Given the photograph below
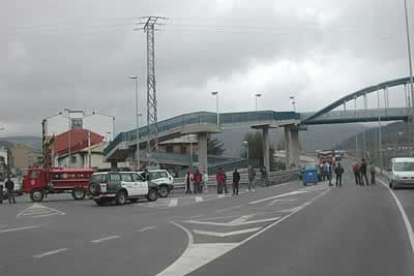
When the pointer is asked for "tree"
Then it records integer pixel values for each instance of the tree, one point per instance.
(215, 146)
(255, 140)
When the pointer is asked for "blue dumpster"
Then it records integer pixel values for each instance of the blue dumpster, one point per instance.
(310, 174)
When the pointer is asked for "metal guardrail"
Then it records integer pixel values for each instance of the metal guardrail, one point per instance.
(274, 178)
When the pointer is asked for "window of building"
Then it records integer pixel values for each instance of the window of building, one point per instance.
(183, 149)
(169, 148)
(73, 159)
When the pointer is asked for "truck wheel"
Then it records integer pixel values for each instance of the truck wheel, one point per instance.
(78, 193)
(152, 195)
(121, 198)
(163, 191)
(36, 195)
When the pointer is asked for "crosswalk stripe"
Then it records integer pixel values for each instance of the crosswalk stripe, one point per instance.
(173, 202)
(199, 199)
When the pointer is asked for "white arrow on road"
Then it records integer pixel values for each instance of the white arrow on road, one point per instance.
(226, 234)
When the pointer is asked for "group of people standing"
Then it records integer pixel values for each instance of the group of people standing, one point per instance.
(326, 173)
(360, 172)
(197, 182)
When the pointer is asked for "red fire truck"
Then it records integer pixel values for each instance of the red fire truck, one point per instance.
(41, 181)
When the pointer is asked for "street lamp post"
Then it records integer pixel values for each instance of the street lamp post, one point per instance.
(246, 144)
(216, 94)
(293, 103)
(257, 95)
(137, 157)
(69, 137)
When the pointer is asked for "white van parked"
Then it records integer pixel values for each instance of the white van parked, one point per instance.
(401, 173)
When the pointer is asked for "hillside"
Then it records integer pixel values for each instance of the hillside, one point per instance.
(316, 137)
(9, 142)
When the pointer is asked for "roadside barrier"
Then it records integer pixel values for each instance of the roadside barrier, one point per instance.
(273, 179)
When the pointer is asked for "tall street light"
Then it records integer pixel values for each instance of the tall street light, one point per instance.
(257, 95)
(293, 103)
(410, 64)
(246, 144)
(216, 94)
(137, 159)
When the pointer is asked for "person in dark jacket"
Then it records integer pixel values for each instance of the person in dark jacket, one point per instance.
(363, 171)
(339, 171)
(1, 194)
(10, 190)
(236, 180)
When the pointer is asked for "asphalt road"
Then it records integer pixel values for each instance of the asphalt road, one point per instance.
(287, 229)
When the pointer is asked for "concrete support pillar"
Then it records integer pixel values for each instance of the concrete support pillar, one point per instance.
(287, 147)
(295, 151)
(266, 149)
(202, 152)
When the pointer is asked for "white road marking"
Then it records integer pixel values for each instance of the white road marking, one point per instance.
(241, 219)
(57, 251)
(146, 229)
(45, 215)
(404, 216)
(196, 216)
(280, 200)
(19, 229)
(230, 224)
(226, 234)
(227, 209)
(106, 239)
(173, 202)
(3, 226)
(198, 255)
(37, 209)
(199, 199)
(278, 196)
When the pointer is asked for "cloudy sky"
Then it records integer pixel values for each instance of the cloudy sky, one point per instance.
(78, 54)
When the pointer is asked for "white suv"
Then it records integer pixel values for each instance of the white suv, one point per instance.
(163, 179)
(401, 172)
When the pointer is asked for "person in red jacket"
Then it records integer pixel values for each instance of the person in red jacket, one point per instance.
(198, 178)
(221, 181)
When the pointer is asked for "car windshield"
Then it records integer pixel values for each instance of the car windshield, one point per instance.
(404, 166)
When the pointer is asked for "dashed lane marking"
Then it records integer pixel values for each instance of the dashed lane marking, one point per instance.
(173, 202)
(106, 239)
(199, 199)
(227, 209)
(235, 222)
(278, 196)
(45, 254)
(146, 229)
(3, 231)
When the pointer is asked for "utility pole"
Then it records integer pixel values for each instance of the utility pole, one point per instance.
(148, 25)
(410, 65)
